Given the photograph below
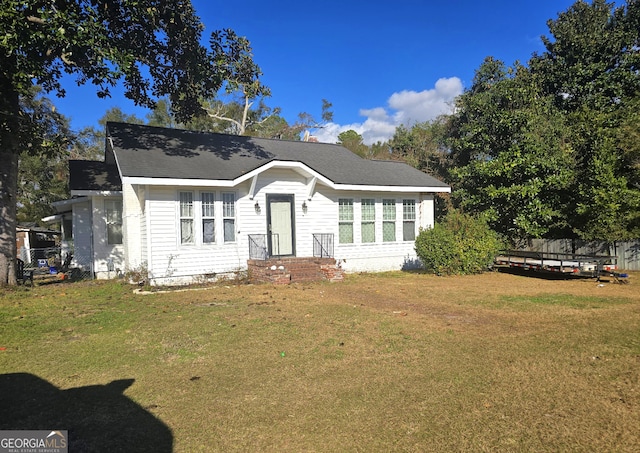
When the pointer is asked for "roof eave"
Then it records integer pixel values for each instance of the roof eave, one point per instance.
(96, 193)
(298, 166)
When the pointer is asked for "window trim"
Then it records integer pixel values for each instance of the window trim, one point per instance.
(388, 220)
(225, 217)
(203, 216)
(372, 221)
(405, 203)
(343, 221)
(118, 221)
(182, 217)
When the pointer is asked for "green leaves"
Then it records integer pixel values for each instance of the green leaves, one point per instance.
(551, 149)
(460, 244)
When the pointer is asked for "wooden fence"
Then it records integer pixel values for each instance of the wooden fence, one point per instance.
(627, 252)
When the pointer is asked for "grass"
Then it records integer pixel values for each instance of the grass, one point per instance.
(387, 362)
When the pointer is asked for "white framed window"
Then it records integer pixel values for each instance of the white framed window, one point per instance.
(345, 221)
(207, 202)
(368, 219)
(408, 220)
(389, 220)
(186, 218)
(229, 216)
(113, 214)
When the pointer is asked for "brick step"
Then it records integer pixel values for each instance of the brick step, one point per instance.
(291, 270)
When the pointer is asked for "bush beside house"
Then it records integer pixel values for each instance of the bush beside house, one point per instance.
(460, 244)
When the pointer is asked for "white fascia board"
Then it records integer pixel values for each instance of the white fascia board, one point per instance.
(252, 190)
(177, 182)
(52, 218)
(278, 164)
(97, 193)
(62, 205)
(223, 182)
(391, 188)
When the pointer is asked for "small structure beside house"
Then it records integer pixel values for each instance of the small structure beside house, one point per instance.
(35, 243)
(181, 206)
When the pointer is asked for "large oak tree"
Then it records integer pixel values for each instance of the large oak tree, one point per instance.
(151, 46)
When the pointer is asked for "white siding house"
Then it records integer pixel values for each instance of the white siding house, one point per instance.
(183, 206)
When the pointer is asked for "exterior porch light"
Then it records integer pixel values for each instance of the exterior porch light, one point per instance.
(304, 207)
(257, 207)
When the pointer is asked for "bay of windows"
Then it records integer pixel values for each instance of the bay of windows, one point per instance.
(371, 224)
(204, 209)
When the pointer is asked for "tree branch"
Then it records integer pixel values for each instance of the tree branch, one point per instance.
(36, 20)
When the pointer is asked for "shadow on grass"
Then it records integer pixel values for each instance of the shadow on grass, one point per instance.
(98, 417)
(544, 275)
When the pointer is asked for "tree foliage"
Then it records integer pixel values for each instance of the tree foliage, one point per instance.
(547, 150)
(43, 174)
(511, 157)
(243, 79)
(591, 68)
(152, 46)
(88, 143)
(422, 146)
(351, 140)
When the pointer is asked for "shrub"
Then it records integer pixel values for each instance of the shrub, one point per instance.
(460, 244)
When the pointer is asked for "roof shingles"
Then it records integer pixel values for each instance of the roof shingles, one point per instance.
(153, 152)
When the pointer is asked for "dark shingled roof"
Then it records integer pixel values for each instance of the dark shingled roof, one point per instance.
(93, 175)
(154, 152)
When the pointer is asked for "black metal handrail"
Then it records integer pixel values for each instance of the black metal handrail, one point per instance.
(258, 247)
(323, 245)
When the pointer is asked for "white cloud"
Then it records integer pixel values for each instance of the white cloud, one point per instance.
(406, 107)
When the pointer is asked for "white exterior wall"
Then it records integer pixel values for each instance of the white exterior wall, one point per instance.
(144, 228)
(378, 256)
(170, 262)
(82, 236)
(104, 252)
(132, 226)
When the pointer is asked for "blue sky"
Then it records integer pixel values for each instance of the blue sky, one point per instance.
(380, 63)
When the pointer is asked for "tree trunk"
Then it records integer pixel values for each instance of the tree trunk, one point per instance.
(9, 151)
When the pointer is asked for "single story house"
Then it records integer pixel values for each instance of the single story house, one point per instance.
(181, 206)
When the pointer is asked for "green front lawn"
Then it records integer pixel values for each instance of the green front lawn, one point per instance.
(388, 362)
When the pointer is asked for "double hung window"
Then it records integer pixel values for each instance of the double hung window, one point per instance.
(408, 220)
(113, 213)
(345, 221)
(388, 220)
(186, 218)
(368, 224)
(207, 200)
(229, 216)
